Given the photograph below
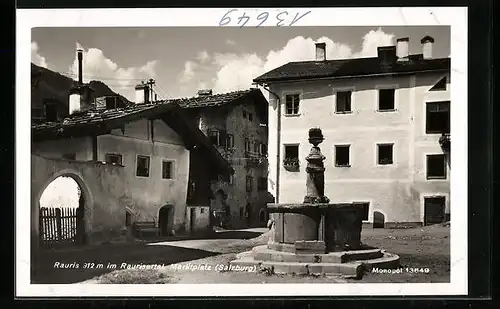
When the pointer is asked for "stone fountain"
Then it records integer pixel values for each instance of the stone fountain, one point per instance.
(316, 237)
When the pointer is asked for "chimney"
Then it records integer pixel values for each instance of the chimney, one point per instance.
(205, 92)
(80, 66)
(75, 100)
(386, 55)
(141, 93)
(320, 51)
(402, 48)
(427, 43)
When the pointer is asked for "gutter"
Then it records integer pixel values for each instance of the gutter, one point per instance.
(278, 141)
(303, 79)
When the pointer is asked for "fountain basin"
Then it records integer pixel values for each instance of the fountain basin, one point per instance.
(317, 227)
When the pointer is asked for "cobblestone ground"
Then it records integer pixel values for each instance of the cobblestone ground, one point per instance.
(425, 248)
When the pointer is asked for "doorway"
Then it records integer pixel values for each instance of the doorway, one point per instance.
(164, 217)
(378, 220)
(434, 210)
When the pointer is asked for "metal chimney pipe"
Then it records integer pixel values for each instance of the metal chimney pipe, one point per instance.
(80, 66)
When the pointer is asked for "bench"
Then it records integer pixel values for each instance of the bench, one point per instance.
(146, 226)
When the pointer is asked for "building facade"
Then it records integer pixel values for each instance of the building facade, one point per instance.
(150, 146)
(386, 122)
(236, 123)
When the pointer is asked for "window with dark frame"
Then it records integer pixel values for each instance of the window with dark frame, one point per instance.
(263, 149)
(230, 141)
(142, 169)
(343, 102)
(213, 135)
(437, 117)
(249, 183)
(440, 85)
(385, 154)
(436, 166)
(248, 145)
(167, 169)
(113, 158)
(386, 99)
(292, 152)
(256, 147)
(342, 155)
(111, 103)
(292, 102)
(69, 156)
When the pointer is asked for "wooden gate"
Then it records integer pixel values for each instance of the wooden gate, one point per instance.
(60, 226)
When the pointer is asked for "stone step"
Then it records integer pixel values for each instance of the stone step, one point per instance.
(264, 254)
(387, 261)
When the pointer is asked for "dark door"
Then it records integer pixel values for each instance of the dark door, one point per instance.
(163, 218)
(378, 220)
(192, 222)
(434, 210)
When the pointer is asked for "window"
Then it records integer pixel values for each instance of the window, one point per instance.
(250, 117)
(230, 141)
(291, 151)
(386, 99)
(69, 156)
(262, 184)
(113, 158)
(385, 154)
(343, 104)
(142, 166)
(247, 144)
(217, 137)
(249, 184)
(241, 212)
(436, 166)
(167, 170)
(342, 155)
(440, 85)
(51, 113)
(292, 104)
(256, 147)
(111, 103)
(437, 117)
(244, 114)
(263, 149)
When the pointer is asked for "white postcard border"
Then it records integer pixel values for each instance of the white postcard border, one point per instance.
(456, 17)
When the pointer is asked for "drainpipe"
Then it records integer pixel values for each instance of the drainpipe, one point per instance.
(278, 141)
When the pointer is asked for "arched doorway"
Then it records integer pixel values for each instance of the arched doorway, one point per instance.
(378, 220)
(221, 210)
(263, 216)
(61, 213)
(164, 220)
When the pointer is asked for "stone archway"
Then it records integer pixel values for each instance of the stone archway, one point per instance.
(80, 220)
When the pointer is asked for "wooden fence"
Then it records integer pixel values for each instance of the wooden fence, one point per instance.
(58, 226)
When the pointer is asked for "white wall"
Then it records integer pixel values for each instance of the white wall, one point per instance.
(396, 190)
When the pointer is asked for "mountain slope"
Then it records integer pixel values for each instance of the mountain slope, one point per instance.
(53, 85)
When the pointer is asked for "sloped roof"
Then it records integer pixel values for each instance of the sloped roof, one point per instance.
(215, 100)
(95, 122)
(356, 67)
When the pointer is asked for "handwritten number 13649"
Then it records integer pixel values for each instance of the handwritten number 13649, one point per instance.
(282, 18)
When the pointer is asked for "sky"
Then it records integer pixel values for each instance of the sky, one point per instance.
(185, 60)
